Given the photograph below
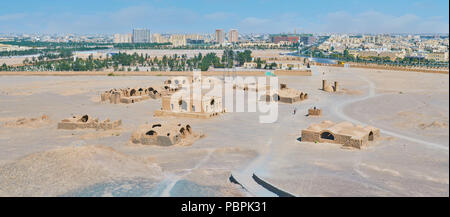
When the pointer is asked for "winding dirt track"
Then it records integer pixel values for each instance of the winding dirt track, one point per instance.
(257, 166)
(337, 110)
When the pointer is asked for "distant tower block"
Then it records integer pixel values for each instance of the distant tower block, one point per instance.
(336, 86)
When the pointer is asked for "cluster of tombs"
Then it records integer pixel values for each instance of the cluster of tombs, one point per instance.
(176, 101)
(286, 95)
(133, 95)
(283, 94)
(165, 134)
(187, 102)
(161, 134)
(343, 133)
(186, 105)
(86, 122)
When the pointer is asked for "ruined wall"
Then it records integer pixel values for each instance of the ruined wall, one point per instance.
(170, 135)
(72, 124)
(133, 95)
(329, 88)
(310, 136)
(315, 112)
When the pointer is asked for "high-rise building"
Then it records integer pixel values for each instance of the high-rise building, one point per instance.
(178, 40)
(233, 36)
(285, 38)
(220, 36)
(158, 38)
(122, 38)
(307, 40)
(141, 36)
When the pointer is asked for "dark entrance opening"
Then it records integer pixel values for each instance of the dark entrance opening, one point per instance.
(276, 97)
(371, 136)
(183, 105)
(188, 128)
(151, 133)
(327, 135)
(132, 92)
(85, 118)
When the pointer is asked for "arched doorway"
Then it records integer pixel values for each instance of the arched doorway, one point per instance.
(371, 136)
(327, 135)
(151, 133)
(276, 97)
(183, 105)
(132, 92)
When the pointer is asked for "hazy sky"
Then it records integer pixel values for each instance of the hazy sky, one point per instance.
(259, 16)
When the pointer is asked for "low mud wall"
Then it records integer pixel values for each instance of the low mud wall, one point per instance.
(393, 68)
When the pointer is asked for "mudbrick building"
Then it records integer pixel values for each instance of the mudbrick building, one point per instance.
(287, 95)
(164, 134)
(344, 133)
(188, 106)
(314, 112)
(191, 101)
(329, 88)
(133, 95)
(85, 122)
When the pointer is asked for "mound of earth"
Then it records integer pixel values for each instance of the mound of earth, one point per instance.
(55, 172)
(434, 124)
(28, 122)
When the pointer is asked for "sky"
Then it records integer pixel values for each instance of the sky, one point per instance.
(204, 16)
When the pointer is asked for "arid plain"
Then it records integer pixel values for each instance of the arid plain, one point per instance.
(411, 158)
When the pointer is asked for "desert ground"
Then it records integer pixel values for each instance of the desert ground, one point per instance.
(411, 158)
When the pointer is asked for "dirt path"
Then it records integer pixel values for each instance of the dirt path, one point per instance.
(245, 176)
(338, 110)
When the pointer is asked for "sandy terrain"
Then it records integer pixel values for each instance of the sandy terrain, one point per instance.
(411, 159)
(13, 61)
(216, 72)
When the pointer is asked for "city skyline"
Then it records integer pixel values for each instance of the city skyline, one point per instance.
(265, 16)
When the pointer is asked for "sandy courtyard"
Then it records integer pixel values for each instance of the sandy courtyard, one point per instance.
(411, 158)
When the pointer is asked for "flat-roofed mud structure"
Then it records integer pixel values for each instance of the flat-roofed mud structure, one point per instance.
(133, 95)
(87, 122)
(330, 88)
(186, 106)
(286, 95)
(314, 112)
(191, 100)
(165, 134)
(344, 133)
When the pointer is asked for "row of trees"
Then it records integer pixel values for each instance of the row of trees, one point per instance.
(45, 51)
(64, 61)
